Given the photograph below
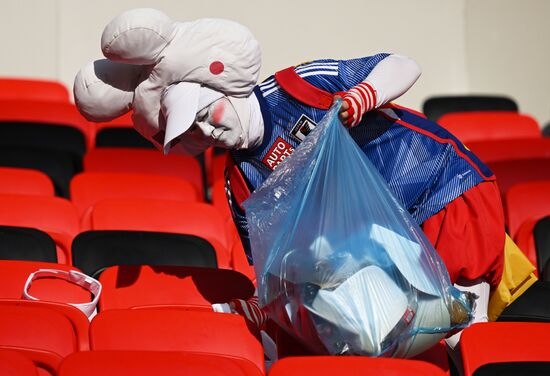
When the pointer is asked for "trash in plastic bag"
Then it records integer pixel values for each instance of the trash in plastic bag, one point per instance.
(340, 265)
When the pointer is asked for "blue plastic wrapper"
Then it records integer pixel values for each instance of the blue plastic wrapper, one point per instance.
(340, 265)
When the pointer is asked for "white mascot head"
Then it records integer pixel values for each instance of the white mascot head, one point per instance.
(147, 52)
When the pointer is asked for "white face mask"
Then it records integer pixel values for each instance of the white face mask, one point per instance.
(215, 125)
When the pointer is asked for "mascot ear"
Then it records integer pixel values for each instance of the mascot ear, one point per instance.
(137, 36)
(104, 90)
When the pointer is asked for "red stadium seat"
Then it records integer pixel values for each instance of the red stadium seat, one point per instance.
(15, 363)
(142, 286)
(351, 365)
(178, 217)
(154, 329)
(119, 132)
(25, 181)
(24, 243)
(436, 106)
(146, 363)
(436, 355)
(53, 327)
(512, 172)
(95, 250)
(501, 150)
(485, 125)
(43, 112)
(495, 342)
(135, 160)
(15, 273)
(48, 136)
(78, 320)
(57, 113)
(89, 188)
(56, 216)
(122, 122)
(33, 89)
(47, 362)
(289, 347)
(526, 203)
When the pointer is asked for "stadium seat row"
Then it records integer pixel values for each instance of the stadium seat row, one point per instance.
(59, 338)
(59, 219)
(134, 206)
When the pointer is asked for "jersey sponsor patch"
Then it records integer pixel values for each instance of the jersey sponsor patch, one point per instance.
(301, 129)
(277, 153)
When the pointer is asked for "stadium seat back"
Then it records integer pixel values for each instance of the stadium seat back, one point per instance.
(483, 126)
(23, 243)
(527, 201)
(33, 89)
(43, 112)
(493, 342)
(123, 137)
(59, 166)
(531, 306)
(502, 150)
(192, 218)
(514, 368)
(542, 244)
(134, 160)
(154, 329)
(512, 172)
(48, 115)
(90, 188)
(351, 365)
(15, 363)
(56, 216)
(36, 327)
(25, 181)
(435, 107)
(146, 363)
(146, 285)
(78, 320)
(51, 137)
(525, 240)
(119, 132)
(15, 273)
(94, 251)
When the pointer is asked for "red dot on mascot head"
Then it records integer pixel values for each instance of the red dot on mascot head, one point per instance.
(216, 67)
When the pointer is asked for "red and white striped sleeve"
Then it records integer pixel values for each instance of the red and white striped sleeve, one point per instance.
(361, 99)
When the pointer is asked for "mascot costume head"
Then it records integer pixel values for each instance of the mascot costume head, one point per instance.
(147, 52)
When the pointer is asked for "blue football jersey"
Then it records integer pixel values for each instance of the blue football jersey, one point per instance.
(424, 165)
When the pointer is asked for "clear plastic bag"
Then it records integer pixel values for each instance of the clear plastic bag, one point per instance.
(340, 264)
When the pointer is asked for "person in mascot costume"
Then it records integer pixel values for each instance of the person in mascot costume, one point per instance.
(193, 85)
